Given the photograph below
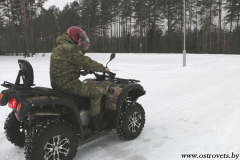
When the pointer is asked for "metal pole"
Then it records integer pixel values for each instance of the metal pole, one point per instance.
(184, 51)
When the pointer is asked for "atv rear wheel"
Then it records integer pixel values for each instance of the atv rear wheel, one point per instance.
(14, 130)
(131, 122)
(52, 140)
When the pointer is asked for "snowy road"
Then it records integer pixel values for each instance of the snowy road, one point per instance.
(189, 110)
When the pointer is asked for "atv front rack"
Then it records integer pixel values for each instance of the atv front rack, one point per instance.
(125, 81)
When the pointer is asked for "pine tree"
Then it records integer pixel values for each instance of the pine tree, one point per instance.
(126, 15)
(2, 23)
(139, 17)
(169, 14)
(208, 12)
(219, 3)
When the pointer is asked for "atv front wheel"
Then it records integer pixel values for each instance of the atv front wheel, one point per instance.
(131, 122)
(14, 130)
(52, 140)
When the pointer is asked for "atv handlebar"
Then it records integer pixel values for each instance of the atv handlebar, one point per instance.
(102, 77)
(99, 77)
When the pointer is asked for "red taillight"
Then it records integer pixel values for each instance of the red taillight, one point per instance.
(12, 103)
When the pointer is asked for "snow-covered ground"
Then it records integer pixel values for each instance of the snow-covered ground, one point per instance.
(193, 109)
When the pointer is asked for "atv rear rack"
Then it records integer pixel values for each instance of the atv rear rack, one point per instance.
(26, 90)
(11, 85)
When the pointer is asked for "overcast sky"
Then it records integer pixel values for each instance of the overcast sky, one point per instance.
(58, 3)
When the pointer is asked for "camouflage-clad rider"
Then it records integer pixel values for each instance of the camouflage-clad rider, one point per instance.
(66, 61)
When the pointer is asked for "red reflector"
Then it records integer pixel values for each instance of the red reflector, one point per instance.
(12, 103)
(16, 114)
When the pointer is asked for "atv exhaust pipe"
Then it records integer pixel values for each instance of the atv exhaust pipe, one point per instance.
(39, 113)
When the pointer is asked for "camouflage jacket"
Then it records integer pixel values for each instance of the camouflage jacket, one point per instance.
(66, 61)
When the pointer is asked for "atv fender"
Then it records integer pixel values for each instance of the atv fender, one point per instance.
(4, 99)
(139, 91)
(27, 105)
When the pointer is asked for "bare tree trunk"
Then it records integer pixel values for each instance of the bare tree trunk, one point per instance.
(111, 33)
(44, 38)
(116, 34)
(203, 41)
(169, 27)
(103, 38)
(88, 26)
(9, 20)
(126, 33)
(94, 32)
(181, 22)
(141, 34)
(178, 5)
(25, 29)
(219, 25)
(31, 27)
(130, 27)
(197, 26)
(21, 38)
(210, 20)
(118, 28)
(231, 19)
(237, 22)
(155, 26)
(197, 20)
(145, 23)
(149, 29)
(224, 42)
(191, 18)
(139, 38)
(14, 37)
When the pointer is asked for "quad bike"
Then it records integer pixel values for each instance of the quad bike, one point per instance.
(51, 124)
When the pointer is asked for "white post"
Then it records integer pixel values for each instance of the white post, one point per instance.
(184, 51)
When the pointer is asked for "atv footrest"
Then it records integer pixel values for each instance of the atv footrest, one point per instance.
(96, 136)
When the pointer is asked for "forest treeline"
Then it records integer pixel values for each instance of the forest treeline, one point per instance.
(123, 26)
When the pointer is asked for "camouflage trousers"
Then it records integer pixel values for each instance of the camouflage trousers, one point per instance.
(76, 87)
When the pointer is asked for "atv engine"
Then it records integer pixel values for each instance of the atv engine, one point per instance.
(85, 117)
